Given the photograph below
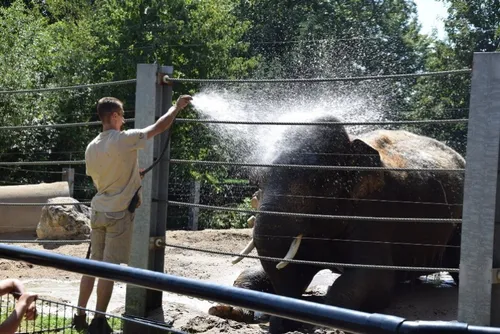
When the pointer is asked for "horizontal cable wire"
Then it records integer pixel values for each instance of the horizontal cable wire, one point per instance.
(51, 89)
(316, 167)
(42, 204)
(79, 241)
(342, 39)
(33, 170)
(365, 200)
(243, 164)
(49, 242)
(316, 263)
(193, 120)
(293, 41)
(61, 125)
(309, 215)
(357, 241)
(430, 121)
(42, 152)
(188, 193)
(311, 80)
(42, 163)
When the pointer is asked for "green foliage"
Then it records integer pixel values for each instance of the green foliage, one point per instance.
(339, 38)
(49, 322)
(227, 219)
(472, 26)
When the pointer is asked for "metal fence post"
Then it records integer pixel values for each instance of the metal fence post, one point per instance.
(479, 291)
(68, 175)
(153, 98)
(160, 186)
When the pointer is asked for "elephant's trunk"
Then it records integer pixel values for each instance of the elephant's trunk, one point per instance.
(294, 247)
(250, 246)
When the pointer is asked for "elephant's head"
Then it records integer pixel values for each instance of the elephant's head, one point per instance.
(313, 191)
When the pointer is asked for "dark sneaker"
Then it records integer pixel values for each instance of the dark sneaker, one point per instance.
(80, 322)
(99, 325)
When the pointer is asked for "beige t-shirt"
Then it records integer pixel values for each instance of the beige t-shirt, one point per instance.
(112, 162)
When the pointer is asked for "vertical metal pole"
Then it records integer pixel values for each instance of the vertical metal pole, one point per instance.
(139, 301)
(160, 186)
(479, 296)
(68, 175)
(194, 212)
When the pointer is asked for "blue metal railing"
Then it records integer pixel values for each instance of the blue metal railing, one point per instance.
(290, 308)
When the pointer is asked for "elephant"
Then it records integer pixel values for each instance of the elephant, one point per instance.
(352, 195)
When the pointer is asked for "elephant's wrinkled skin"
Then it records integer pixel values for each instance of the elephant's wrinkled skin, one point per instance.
(356, 193)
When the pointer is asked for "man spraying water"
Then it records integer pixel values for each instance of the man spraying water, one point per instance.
(111, 161)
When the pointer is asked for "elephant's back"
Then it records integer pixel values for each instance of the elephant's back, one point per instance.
(404, 149)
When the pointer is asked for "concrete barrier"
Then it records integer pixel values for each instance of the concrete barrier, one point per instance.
(25, 218)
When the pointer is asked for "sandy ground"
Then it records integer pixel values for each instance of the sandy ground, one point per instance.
(422, 302)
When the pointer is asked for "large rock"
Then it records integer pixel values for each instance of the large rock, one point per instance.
(63, 222)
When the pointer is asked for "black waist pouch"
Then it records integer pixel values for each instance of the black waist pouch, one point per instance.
(133, 203)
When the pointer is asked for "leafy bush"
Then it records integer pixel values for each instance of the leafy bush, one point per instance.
(227, 219)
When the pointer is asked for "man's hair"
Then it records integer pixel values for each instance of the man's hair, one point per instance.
(107, 106)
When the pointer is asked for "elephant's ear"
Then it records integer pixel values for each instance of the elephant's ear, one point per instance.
(359, 148)
(367, 182)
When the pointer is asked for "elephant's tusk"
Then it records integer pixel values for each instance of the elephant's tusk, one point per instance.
(254, 202)
(247, 250)
(251, 221)
(294, 247)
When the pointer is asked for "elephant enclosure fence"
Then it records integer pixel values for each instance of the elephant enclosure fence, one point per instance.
(166, 204)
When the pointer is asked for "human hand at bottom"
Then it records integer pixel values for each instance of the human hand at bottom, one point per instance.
(27, 302)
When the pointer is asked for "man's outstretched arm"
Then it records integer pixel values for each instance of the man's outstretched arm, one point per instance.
(165, 121)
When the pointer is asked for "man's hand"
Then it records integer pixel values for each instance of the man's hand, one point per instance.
(140, 173)
(183, 101)
(12, 286)
(18, 288)
(165, 121)
(27, 302)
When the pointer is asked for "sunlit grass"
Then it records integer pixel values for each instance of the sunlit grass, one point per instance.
(50, 323)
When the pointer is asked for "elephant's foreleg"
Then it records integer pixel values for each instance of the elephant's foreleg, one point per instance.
(367, 290)
(364, 289)
(290, 281)
(254, 278)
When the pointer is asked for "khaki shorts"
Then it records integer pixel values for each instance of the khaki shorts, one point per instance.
(111, 236)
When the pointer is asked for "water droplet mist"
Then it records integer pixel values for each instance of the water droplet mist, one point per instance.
(290, 102)
(259, 143)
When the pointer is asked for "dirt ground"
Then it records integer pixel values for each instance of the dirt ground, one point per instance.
(422, 302)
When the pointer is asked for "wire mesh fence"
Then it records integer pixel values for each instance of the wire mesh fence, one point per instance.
(57, 317)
